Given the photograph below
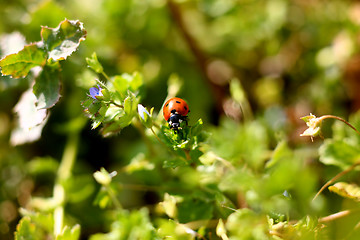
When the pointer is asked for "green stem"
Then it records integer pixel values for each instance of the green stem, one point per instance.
(113, 197)
(157, 137)
(118, 105)
(141, 130)
(340, 119)
(105, 75)
(339, 175)
(63, 174)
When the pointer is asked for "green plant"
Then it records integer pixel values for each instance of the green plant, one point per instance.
(238, 174)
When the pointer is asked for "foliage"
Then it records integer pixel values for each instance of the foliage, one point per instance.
(86, 154)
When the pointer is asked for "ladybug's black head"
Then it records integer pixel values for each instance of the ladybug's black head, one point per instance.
(175, 120)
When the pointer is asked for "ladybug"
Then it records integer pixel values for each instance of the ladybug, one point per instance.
(175, 111)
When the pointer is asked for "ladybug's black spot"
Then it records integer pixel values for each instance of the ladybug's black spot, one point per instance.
(185, 107)
(178, 102)
(166, 105)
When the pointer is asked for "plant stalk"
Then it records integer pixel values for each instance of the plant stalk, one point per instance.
(63, 174)
(340, 119)
(339, 175)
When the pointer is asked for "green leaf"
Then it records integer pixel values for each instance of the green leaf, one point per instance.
(339, 153)
(69, 233)
(282, 152)
(192, 209)
(175, 162)
(19, 64)
(197, 128)
(346, 190)
(40, 165)
(126, 82)
(94, 64)
(26, 230)
(102, 199)
(42, 221)
(63, 40)
(246, 224)
(121, 85)
(47, 87)
(134, 225)
(79, 187)
(136, 82)
(34, 225)
(130, 104)
(116, 125)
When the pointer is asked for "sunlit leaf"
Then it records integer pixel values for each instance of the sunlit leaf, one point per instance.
(63, 40)
(130, 225)
(136, 82)
(26, 230)
(246, 224)
(70, 233)
(94, 64)
(43, 221)
(47, 87)
(130, 105)
(30, 120)
(19, 64)
(346, 190)
(11, 43)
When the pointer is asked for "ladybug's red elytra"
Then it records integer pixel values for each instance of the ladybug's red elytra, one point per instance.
(175, 111)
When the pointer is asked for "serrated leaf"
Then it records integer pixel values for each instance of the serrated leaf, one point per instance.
(69, 233)
(47, 87)
(30, 121)
(338, 153)
(346, 190)
(26, 230)
(63, 40)
(41, 220)
(19, 64)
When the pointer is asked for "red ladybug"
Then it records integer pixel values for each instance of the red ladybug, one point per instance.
(175, 111)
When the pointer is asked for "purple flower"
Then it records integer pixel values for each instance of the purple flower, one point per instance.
(95, 92)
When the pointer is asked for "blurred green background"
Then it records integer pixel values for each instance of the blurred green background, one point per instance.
(291, 57)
